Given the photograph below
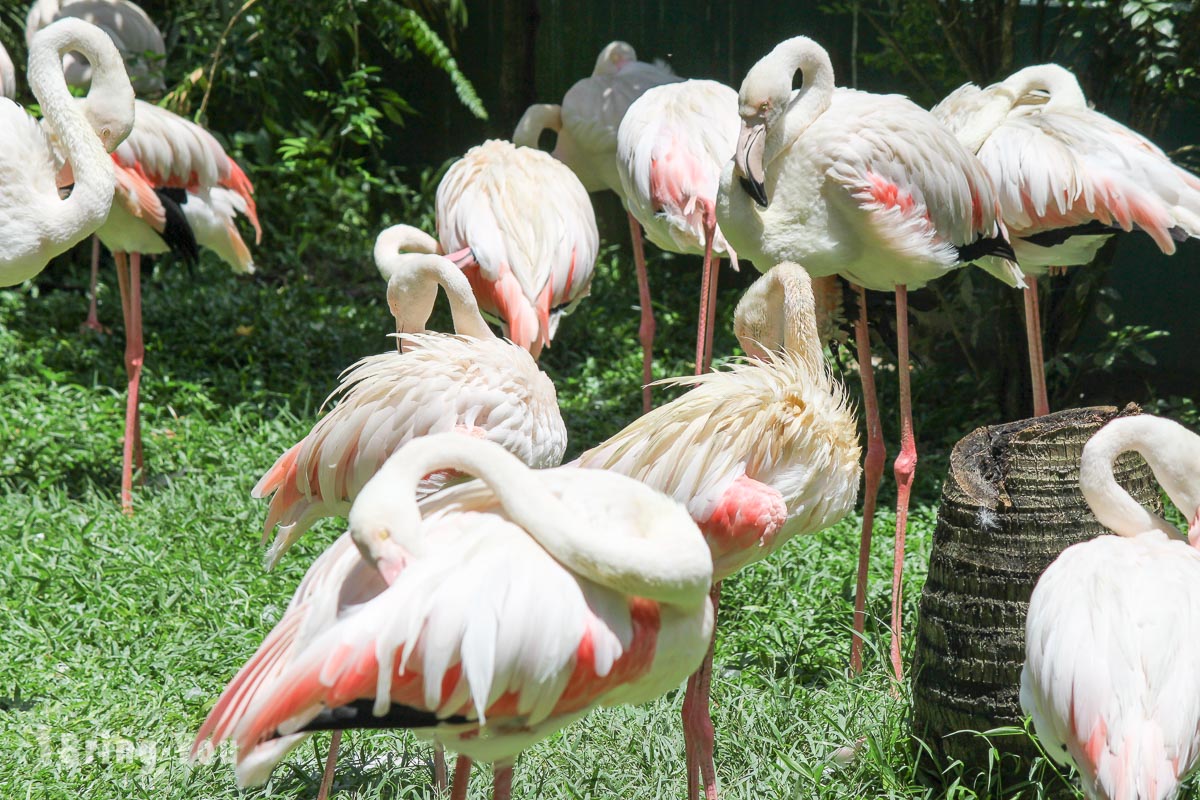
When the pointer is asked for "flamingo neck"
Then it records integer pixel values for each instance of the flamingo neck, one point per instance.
(88, 204)
(665, 559)
(1059, 83)
(778, 313)
(1173, 454)
(536, 119)
(412, 291)
(800, 108)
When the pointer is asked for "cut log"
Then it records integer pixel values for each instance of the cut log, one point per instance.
(1010, 504)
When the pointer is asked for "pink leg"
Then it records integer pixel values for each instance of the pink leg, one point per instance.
(1037, 360)
(873, 469)
(708, 290)
(712, 314)
(462, 776)
(439, 767)
(93, 320)
(698, 732)
(646, 331)
(330, 763)
(502, 782)
(905, 467)
(129, 278)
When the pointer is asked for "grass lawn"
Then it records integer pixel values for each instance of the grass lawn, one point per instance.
(120, 632)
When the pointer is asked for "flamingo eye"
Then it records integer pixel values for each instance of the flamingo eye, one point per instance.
(764, 107)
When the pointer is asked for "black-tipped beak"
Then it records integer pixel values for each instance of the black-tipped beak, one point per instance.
(749, 160)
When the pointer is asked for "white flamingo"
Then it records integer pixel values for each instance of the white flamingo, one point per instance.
(1110, 650)
(587, 123)
(1068, 178)
(36, 224)
(522, 227)
(8, 75)
(872, 188)
(489, 617)
(671, 146)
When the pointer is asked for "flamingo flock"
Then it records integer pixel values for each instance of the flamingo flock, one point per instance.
(485, 595)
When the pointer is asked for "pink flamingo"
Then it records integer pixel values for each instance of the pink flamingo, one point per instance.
(603, 578)
(1110, 682)
(176, 187)
(758, 453)
(8, 75)
(1068, 178)
(587, 123)
(872, 188)
(472, 382)
(36, 223)
(671, 147)
(528, 225)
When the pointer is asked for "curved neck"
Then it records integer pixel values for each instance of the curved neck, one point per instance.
(412, 291)
(1113, 506)
(88, 204)
(536, 119)
(666, 560)
(8, 75)
(802, 107)
(778, 313)
(1061, 86)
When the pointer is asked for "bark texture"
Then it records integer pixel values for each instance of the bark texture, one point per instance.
(1010, 504)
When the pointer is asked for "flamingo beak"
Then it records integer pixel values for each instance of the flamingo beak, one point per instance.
(748, 158)
(462, 258)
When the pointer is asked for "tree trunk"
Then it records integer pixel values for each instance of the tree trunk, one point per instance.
(1011, 503)
(517, 62)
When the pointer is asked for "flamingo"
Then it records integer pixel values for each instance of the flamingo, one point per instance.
(472, 382)
(531, 232)
(8, 75)
(490, 616)
(587, 123)
(1068, 178)
(35, 223)
(872, 188)
(671, 147)
(758, 453)
(1110, 659)
(176, 188)
(130, 28)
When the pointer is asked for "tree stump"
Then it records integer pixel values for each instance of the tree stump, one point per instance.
(1011, 503)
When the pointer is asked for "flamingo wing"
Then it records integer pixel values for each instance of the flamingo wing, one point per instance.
(444, 383)
(592, 109)
(1109, 666)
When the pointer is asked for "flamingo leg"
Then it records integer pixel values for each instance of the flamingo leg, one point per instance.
(646, 330)
(93, 320)
(905, 467)
(712, 314)
(873, 472)
(707, 291)
(330, 763)
(698, 731)
(1037, 359)
(502, 782)
(439, 767)
(462, 776)
(129, 278)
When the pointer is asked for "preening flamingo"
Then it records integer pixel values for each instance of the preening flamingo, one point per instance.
(760, 452)
(36, 224)
(587, 123)
(1110, 651)
(531, 232)
(671, 147)
(872, 188)
(471, 382)
(130, 28)
(492, 615)
(176, 188)
(1068, 178)
(8, 75)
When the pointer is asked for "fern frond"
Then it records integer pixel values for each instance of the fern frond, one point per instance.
(426, 40)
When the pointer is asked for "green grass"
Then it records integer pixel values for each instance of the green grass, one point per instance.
(119, 632)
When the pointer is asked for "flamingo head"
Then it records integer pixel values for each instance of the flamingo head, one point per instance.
(110, 117)
(614, 56)
(762, 102)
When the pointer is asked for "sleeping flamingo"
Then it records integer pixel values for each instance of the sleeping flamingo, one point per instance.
(1068, 178)
(531, 232)
(872, 188)
(671, 147)
(472, 382)
(36, 224)
(586, 124)
(176, 188)
(588, 589)
(758, 453)
(1110, 681)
